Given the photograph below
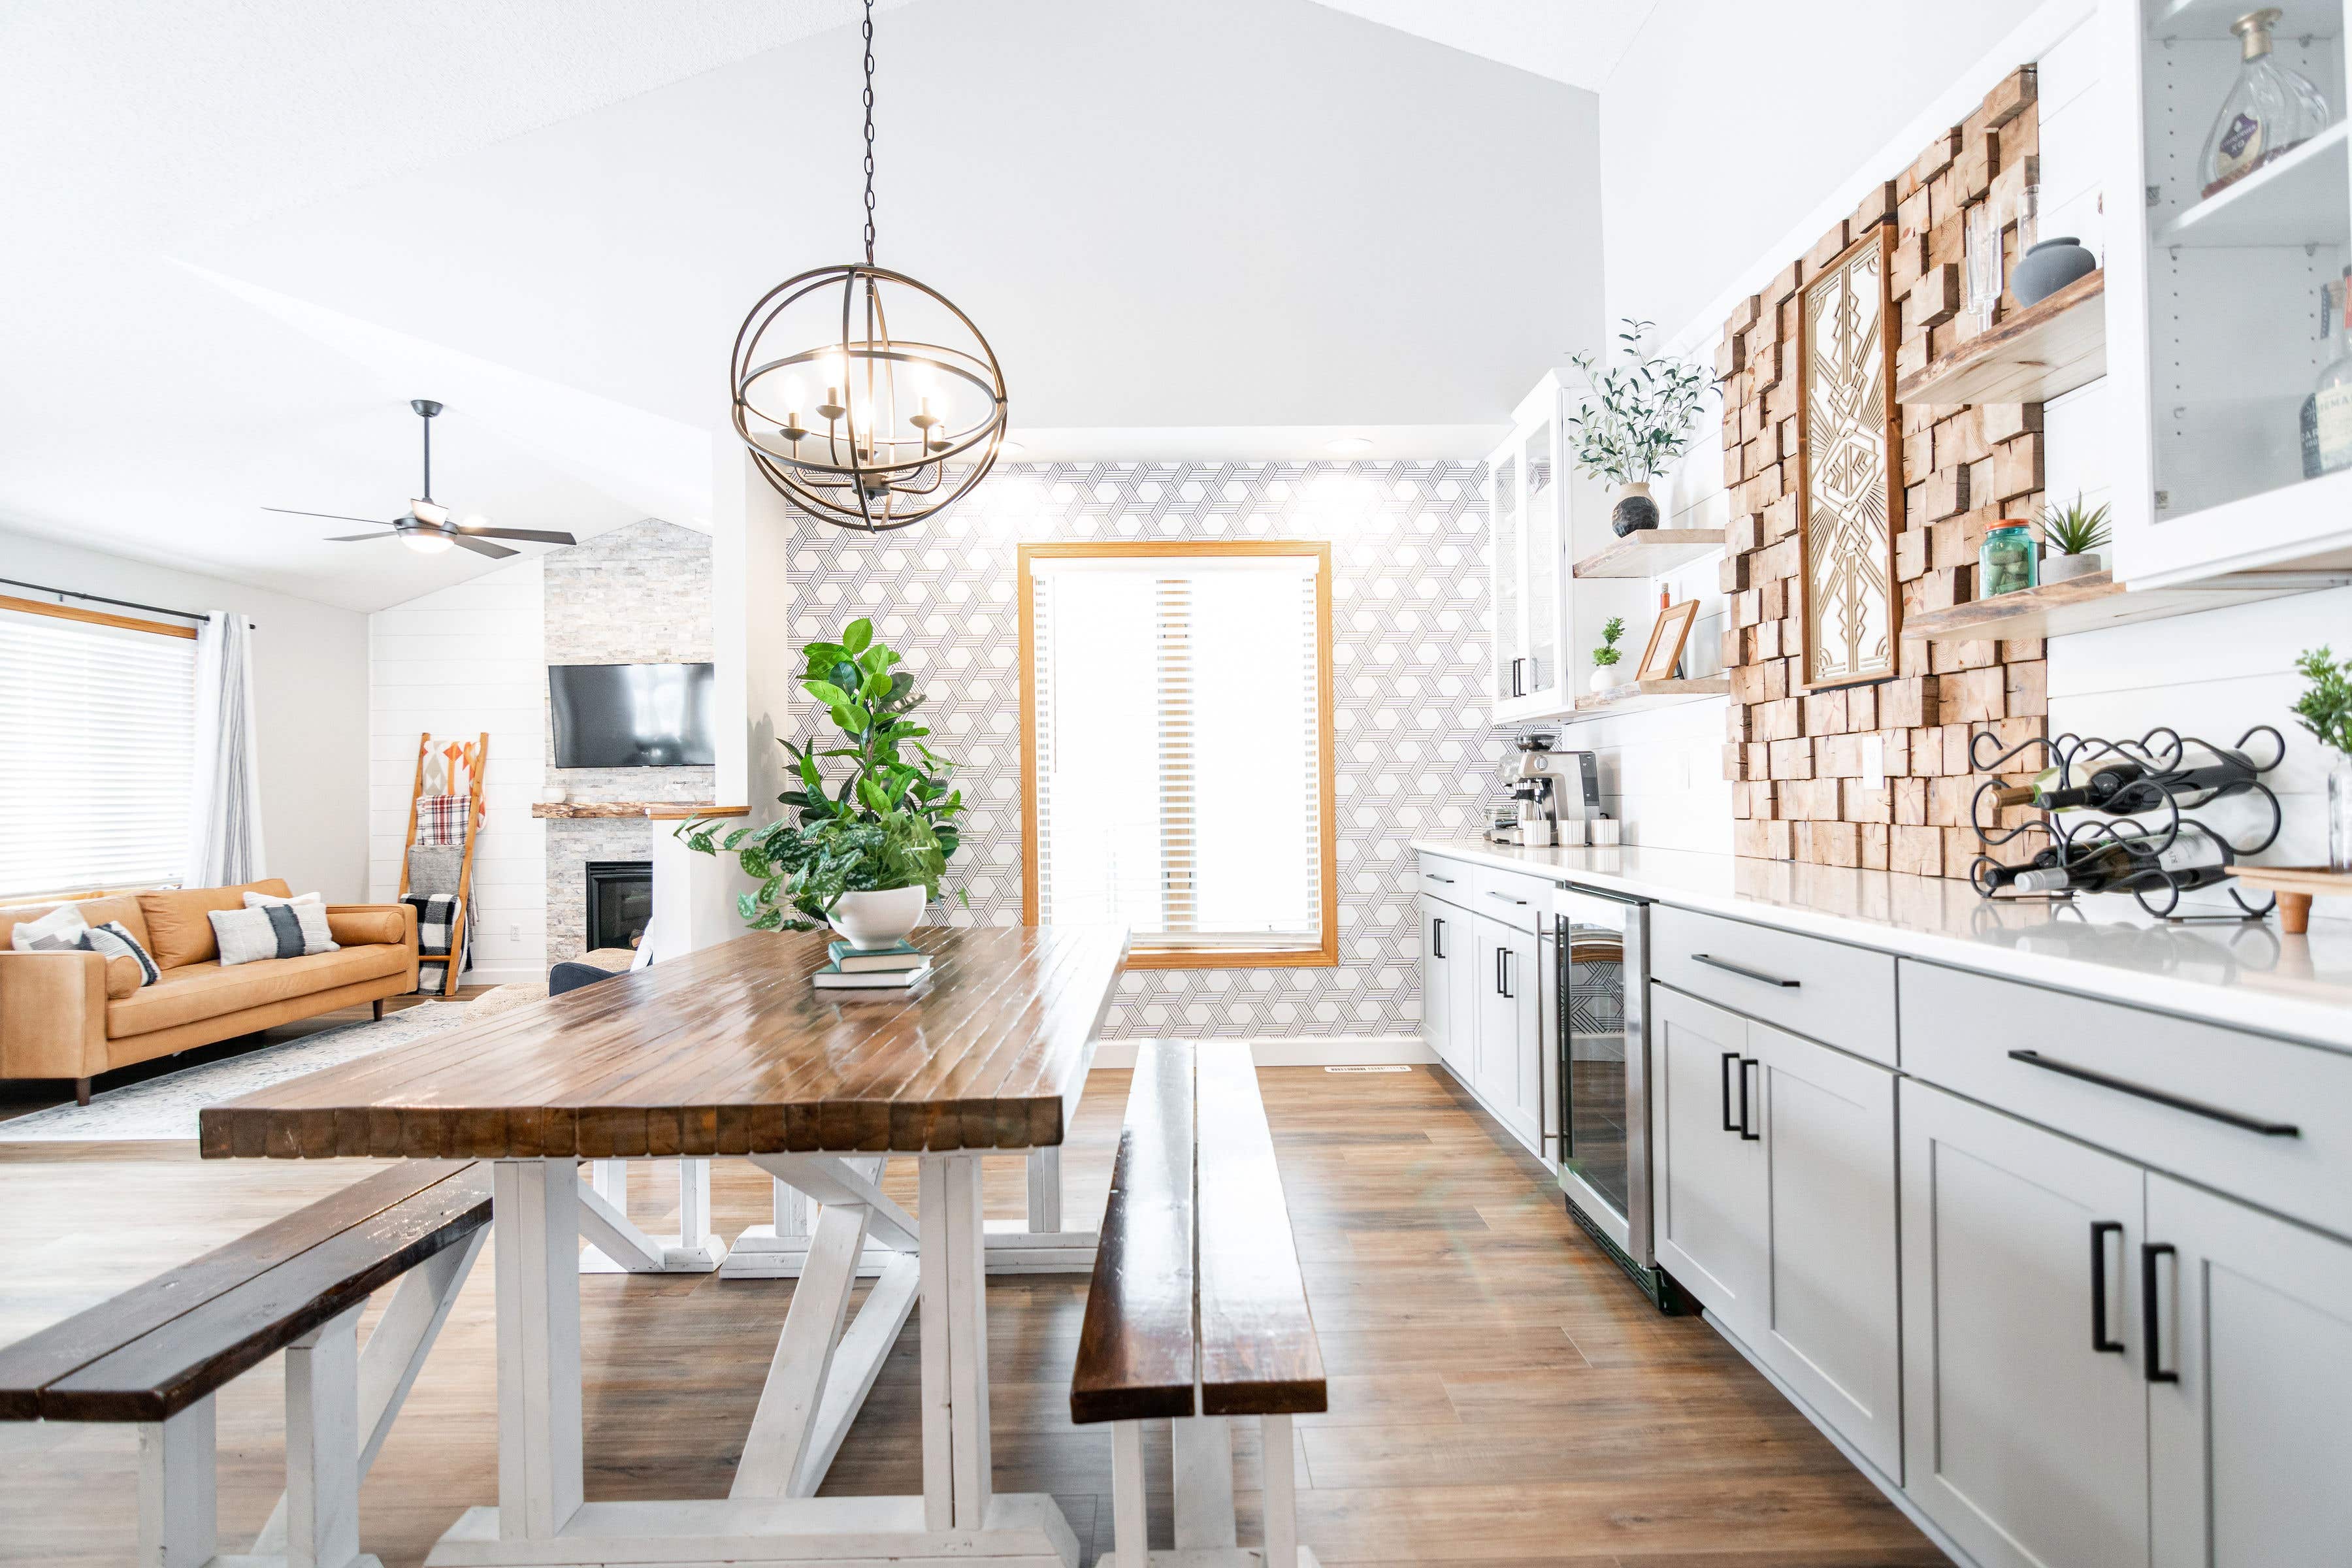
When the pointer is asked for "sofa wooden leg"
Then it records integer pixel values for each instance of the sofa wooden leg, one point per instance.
(378, 1005)
(81, 1091)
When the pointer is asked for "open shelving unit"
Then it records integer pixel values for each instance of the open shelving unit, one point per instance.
(1650, 550)
(1638, 696)
(2088, 604)
(2041, 352)
(2300, 199)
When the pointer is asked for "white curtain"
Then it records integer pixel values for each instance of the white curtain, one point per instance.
(225, 806)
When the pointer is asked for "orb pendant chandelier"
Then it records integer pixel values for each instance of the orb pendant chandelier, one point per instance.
(865, 397)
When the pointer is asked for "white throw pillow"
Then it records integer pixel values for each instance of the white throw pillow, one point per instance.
(309, 914)
(247, 936)
(62, 929)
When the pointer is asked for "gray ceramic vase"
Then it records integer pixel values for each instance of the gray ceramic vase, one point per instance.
(2050, 266)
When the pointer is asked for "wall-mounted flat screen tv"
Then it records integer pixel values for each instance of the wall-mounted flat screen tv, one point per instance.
(631, 715)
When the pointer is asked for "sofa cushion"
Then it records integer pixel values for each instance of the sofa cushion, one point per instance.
(178, 930)
(190, 992)
(363, 924)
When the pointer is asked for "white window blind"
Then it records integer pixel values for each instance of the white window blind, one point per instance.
(1178, 757)
(96, 755)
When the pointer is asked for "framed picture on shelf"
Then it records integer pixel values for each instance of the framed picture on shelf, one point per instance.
(1667, 638)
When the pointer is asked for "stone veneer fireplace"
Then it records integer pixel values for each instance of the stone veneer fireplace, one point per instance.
(619, 900)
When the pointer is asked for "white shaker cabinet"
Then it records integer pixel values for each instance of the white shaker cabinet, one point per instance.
(2025, 1416)
(1710, 1220)
(1449, 988)
(1510, 1030)
(2249, 1393)
(1527, 521)
(1826, 1319)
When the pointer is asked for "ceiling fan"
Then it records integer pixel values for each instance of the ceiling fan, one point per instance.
(426, 526)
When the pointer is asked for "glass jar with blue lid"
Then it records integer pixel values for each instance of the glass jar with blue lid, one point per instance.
(2009, 559)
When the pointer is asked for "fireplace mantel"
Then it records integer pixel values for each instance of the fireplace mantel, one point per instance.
(659, 810)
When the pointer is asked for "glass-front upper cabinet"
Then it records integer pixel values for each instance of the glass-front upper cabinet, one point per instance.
(1527, 505)
(2229, 333)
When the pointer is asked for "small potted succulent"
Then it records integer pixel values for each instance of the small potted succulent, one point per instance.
(2325, 710)
(1634, 423)
(1606, 676)
(2075, 534)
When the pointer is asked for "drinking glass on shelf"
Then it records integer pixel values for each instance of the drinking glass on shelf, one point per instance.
(1981, 277)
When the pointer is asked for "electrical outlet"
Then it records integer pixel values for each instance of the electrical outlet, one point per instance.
(1874, 762)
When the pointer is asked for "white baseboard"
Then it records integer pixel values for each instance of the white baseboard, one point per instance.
(1297, 1051)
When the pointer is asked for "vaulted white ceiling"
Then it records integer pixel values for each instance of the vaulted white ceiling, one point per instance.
(259, 230)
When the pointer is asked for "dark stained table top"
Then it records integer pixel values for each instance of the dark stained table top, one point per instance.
(729, 1050)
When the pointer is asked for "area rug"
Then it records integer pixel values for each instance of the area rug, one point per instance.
(167, 1107)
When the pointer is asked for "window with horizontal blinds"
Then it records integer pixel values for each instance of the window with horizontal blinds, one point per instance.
(1177, 766)
(97, 734)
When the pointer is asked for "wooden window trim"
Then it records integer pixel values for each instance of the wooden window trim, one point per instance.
(1327, 955)
(95, 617)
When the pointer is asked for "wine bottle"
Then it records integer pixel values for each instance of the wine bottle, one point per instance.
(2120, 786)
(2043, 859)
(2192, 860)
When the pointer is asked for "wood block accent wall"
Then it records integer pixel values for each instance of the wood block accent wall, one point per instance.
(1797, 762)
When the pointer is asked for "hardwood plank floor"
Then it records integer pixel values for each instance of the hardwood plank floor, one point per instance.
(1500, 1393)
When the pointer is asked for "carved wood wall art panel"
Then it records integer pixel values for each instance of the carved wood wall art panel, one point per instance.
(1849, 488)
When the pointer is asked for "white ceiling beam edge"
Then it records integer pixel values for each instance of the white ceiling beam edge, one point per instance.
(1258, 444)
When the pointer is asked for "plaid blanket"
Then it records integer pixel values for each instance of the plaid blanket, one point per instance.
(441, 819)
(436, 916)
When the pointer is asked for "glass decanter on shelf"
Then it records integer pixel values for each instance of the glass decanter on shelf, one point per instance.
(2269, 110)
(2328, 412)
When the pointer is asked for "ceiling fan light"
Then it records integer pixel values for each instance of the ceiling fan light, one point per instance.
(474, 520)
(424, 541)
(431, 512)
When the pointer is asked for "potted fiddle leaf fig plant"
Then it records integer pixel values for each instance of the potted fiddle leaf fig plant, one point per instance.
(1634, 423)
(2076, 534)
(866, 854)
(1606, 676)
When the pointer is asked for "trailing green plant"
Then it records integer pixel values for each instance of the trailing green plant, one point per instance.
(1636, 419)
(2073, 529)
(1609, 653)
(890, 822)
(2326, 708)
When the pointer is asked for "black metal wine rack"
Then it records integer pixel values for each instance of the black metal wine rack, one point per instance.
(2161, 749)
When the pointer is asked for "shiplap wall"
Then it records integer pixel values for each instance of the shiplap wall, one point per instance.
(460, 662)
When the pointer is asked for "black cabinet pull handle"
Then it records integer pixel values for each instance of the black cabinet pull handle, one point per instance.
(1746, 1133)
(1506, 956)
(1498, 972)
(1504, 897)
(1438, 936)
(2150, 1357)
(1743, 971)
(2100, 1230)
(1518, 689)
(2141, 1091)
(1728, 1124)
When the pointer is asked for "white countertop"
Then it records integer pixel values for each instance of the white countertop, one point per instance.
(2248, 976)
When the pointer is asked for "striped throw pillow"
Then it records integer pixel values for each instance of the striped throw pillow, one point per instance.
(62, 929)
(114, 940)
(247, 936)
(310, 913)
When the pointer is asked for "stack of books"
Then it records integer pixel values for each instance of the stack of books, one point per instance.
(893, 968)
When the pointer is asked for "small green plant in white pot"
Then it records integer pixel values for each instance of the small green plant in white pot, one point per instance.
(2325, 710)
(1634, 423)
(2072, 537)
(1606, 676)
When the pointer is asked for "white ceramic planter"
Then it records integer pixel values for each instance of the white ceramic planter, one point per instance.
(2066, 568)
(877, 920)
(1606, 678)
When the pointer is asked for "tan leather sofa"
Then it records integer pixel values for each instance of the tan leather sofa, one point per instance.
(76, 1015)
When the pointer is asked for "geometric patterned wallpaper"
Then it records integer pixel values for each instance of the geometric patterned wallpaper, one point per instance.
(1413, 755)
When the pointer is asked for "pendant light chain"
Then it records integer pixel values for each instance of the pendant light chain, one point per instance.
(869, 132)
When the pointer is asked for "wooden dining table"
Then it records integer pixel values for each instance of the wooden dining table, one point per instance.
(730, 1051)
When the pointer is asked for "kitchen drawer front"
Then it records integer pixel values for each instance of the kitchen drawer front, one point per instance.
(1960, 1029)
(1840, 995)
(1451, 881)
(1517, 899)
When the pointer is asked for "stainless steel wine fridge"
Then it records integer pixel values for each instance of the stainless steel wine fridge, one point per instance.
(1600, 950)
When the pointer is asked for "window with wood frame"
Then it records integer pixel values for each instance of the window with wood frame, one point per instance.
(1176, 751)
(98, 713)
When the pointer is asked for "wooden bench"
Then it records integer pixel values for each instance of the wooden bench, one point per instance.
(156, 1354)
(1197, 1313)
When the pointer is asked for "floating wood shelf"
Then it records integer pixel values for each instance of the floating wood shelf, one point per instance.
(1637, 696)
(2300, 199)
(1650, 550)
(666, 810)
(2040, 352)
(2083, 605)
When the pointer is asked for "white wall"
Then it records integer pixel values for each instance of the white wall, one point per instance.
(458, 663)
(310, 682)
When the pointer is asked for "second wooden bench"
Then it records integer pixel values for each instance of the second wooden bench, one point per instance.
(1198, 1312)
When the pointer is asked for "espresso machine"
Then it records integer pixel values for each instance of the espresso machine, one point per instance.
(1555, 797)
